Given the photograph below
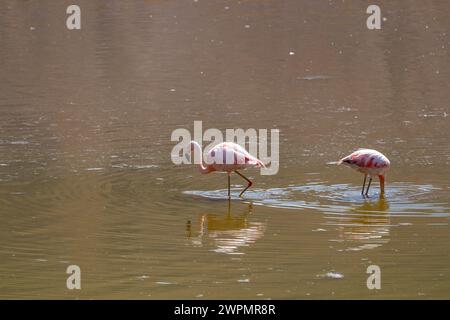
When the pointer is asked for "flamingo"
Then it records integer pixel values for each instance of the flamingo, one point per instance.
(226, 157)
(369, 162)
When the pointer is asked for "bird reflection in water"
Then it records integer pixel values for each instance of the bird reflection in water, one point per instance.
(225, 234)
(366, 227)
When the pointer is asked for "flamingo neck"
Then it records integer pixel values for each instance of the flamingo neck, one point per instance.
(198, 150)
(204, 169)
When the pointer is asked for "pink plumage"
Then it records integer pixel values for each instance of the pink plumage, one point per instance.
(369, 162)
(226, 157)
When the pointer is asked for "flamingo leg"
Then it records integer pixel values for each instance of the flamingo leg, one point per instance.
(188, 229)
(228, 186)
(250, 183)
(381, 185)
(368, 186)
(364, 184)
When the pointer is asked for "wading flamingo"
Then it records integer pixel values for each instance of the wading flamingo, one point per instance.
(370, 163)
(226, 157)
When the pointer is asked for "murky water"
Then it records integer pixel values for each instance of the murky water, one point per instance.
(85, 171)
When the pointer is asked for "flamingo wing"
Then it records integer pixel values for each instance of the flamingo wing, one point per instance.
(366, 158)
(232, 154)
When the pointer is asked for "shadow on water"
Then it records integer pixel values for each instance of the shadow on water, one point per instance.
(361, 222)
(225, 233)
(366, 227)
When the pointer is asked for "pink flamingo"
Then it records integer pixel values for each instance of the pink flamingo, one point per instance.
(226, 157)
(369, 162)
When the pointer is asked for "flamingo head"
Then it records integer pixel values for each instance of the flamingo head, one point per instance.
(347, 161)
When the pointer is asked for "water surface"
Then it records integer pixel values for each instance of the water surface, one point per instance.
(85, 172)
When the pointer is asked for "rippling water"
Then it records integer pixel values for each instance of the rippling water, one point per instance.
(85, 171)
(407, 200)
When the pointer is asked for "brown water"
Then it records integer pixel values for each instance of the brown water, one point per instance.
(85, 171)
